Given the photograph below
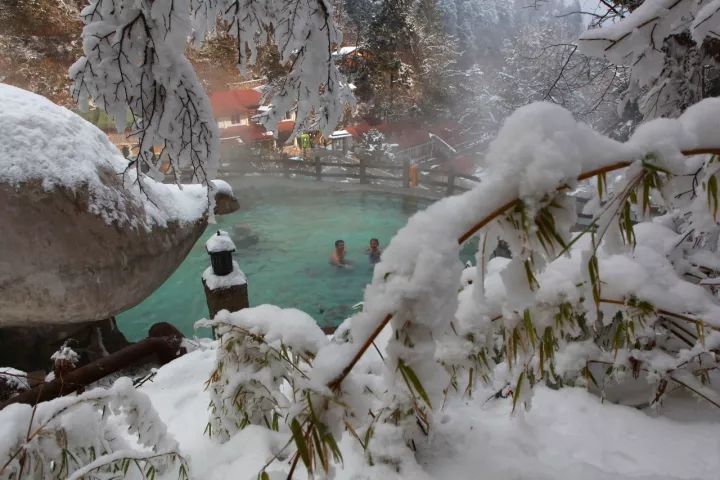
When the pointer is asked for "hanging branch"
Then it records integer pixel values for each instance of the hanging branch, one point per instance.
(335, 383)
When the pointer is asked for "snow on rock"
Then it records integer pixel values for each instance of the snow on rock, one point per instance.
(43, 142)
(219, 282)
(65, 354)
(221, 186)
(569, 434)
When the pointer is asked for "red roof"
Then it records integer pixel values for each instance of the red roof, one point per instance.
(284, 129)
(256, 133)
(226, 103)
(409, 133)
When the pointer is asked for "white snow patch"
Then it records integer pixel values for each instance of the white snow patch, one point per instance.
(219, 282)
(220, 242)
(222, 186)
(291, 326)
(569, 434)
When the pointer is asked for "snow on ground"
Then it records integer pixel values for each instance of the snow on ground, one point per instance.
(568, 434)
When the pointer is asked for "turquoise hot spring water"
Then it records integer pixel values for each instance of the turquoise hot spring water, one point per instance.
(284, 240)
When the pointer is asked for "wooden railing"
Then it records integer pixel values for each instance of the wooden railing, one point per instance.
(398, 172)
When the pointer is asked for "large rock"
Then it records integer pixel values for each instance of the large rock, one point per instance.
(61, 263)
(82, 236)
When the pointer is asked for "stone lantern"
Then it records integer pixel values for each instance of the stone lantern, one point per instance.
(224, 283)
(221, 247)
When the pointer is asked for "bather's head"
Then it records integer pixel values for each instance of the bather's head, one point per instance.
(340, 246)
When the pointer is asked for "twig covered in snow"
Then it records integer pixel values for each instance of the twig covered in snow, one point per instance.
(663, 42)
(70, 437)
(524, 199)
(134, 64)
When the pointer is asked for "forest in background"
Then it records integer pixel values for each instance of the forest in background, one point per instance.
(470, 61)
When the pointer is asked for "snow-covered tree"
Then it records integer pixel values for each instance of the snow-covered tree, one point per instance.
(410, 64)
(671, 47)
(134, 60)
(536, 58)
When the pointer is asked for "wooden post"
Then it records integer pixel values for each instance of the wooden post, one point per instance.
(363, 169)
(318, 167)
(286, 166)
(231, 298)
(450, 182)
(225, 288)
(406, 172)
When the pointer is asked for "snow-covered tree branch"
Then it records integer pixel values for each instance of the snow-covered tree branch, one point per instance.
(671, 46)
(134, 61)
(103, 432)
(629, 299)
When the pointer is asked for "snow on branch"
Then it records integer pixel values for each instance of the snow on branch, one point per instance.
(134, 65)
(650, 41)
(103, 431)
(305, 34)
(538, 158)
(621, 299)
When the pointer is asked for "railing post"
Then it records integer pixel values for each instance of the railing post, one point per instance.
(406, 172)
(363, 169)
(318, 167)
(450, 182)
(286, 166)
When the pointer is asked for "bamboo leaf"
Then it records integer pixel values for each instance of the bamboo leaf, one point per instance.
(532, 281)
(712, 189)
(330, 440)
(589, 376)
(368, 435)
(516, 392)
(320, 449)
(527, 320)
(415, 381)
(300, 443)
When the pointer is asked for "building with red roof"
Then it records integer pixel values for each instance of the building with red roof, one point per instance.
(235, 107)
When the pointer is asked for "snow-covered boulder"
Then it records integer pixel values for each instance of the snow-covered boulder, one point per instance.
(81, 238)
(225, 200)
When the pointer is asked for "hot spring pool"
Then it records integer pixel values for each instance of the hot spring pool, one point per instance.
(288, 266)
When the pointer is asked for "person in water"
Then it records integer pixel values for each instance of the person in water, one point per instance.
(374, 251)
(338, 256)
